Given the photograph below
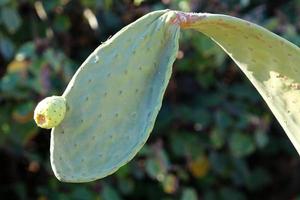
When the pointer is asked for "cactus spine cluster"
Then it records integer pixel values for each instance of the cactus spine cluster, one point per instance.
(114, 97)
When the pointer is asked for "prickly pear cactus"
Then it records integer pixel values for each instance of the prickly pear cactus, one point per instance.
(114, 97)
(270, 62)
(113, 100)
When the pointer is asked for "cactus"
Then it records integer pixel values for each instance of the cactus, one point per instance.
(114, 97)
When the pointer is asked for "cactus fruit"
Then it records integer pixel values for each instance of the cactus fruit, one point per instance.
(114, 97)
(50, 112)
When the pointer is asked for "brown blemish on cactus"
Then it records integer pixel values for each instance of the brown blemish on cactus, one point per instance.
(41, 119)
(184, 20)
(279, 76)
(295, 86)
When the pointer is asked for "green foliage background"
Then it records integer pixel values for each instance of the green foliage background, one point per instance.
(215, 138)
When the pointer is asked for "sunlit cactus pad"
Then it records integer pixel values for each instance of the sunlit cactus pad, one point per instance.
(113, 100)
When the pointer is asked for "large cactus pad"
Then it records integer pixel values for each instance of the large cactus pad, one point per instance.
(113, 100)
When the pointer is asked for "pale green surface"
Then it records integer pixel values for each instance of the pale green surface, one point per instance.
(50, 112)
(270, 62)
(113, 100)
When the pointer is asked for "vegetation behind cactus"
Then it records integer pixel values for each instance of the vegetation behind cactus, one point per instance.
(214, 139)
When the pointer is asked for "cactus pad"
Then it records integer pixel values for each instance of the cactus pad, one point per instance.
(270, 62)
(113, 100)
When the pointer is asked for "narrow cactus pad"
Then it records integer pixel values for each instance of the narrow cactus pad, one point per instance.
(113, 100)
(270, 62)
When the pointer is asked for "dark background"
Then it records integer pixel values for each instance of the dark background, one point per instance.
(215, 138)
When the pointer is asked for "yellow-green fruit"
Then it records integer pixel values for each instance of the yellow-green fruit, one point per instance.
(50, 112)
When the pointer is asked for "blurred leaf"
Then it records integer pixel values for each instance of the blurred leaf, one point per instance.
(241, 144)
(6, 47)
(210, 195)
(17, 66)
(199, 167)
(27, 50)
(10, 18)
(154, 169)
(108, 193)
(217, 139)
(170, 184)
(186, 144)
(126, 185)
(189, 194)
(223, 120)
(193, 114)
(137, 2)
(231, 194)
(11, 86)
(81, 193)
(220, 163)
(3, 2)
(261, 139)
(244, 91)
(258, 179)
(51, 5)
(61, 23)
(23, 113)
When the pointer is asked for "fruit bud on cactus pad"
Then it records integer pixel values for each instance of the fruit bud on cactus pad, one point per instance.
(114, 97)
(50, 112)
